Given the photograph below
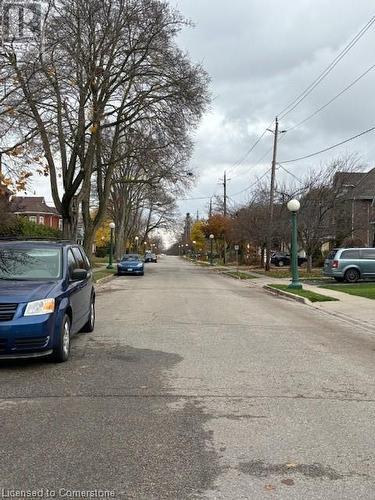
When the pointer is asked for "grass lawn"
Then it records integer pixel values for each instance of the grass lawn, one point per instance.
(285, 273)
(240, 275)
(307, 294)
(366, 290)
(102, 273)
(99, 261)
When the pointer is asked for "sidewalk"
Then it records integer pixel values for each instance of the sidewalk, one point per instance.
(349, 308)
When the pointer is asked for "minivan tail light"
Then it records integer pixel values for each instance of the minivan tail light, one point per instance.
(335, 264)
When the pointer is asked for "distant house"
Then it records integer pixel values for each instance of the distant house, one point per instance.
(5, 192)
(356, 218)
(36, 210)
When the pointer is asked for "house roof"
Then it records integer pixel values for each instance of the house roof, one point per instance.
(31, 205)
(359, 185)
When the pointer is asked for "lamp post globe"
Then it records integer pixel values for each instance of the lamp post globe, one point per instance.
(293, 207)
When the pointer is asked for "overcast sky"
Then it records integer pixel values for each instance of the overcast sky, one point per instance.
(260, 55)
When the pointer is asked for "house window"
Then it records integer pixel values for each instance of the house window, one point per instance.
(41, 219)
(32, 218)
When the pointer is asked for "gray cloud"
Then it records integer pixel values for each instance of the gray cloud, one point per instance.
(261, 55)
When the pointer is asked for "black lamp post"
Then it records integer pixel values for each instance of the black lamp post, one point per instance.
(112, 226)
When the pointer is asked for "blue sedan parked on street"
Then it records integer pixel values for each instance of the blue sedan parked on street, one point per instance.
(131, 264)
(46, 296)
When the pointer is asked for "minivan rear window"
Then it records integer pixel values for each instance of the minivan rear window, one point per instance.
(350, 254)
(331, 254)
(368, 253)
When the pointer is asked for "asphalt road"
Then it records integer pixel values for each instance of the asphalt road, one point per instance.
(195, 385)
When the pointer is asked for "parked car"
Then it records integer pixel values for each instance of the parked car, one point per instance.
(281, 259)
(131, 264)
(151, 257)
(350, 264)
(46, 296)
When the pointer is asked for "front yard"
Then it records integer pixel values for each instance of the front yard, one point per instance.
(366, 290)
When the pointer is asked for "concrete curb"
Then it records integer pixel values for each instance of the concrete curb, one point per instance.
(105, 279)
(287, 295)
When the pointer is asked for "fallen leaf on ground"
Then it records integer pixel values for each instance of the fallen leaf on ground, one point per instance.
(288, 482)
(269, 487)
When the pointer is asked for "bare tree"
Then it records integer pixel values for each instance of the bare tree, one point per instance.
(103, 67)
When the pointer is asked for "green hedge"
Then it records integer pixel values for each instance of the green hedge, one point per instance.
(21, 226)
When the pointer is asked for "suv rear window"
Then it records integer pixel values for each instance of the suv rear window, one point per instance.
(350, 254)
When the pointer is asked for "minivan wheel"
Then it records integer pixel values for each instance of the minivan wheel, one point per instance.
(352, 275)
(90, 325)
(62, 351)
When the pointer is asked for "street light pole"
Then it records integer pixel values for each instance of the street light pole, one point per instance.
(293, 207)
(112, 228)
(212, 237)
(136, 243)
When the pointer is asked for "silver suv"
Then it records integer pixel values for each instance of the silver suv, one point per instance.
(350, 264)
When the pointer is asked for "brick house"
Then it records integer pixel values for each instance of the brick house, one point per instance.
(36, 210)
(5, 192)
(355, 218)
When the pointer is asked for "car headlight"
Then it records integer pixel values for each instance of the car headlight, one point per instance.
(38, 307)
(140, 264)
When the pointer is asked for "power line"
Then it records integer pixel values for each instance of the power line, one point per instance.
(290, 173)
(253, 184)
(330, 147)
(250, 150)
(290, 107)
(348, 87)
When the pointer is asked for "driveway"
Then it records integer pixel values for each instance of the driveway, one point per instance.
(195, 385)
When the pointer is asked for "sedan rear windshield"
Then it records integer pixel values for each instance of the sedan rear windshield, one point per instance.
(130, 257)
(30, 263)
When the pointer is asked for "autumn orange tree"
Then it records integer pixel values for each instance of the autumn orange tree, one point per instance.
(198, 235)
(220, 227)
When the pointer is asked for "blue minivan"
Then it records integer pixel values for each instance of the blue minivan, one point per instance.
(46, 296)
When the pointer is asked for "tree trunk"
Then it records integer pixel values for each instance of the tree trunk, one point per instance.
(120, 237)
(309, 263)
(262, 254)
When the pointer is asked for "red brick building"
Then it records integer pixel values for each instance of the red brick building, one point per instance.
(36, 209)
(356, 217)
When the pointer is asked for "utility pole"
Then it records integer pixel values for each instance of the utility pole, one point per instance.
(225, 213)
(272, 197)
(225, 193)
(210, 211)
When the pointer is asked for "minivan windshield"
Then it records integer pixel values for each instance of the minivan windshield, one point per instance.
(30, 263)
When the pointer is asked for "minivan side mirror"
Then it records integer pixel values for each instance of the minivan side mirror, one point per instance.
(79, 275)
